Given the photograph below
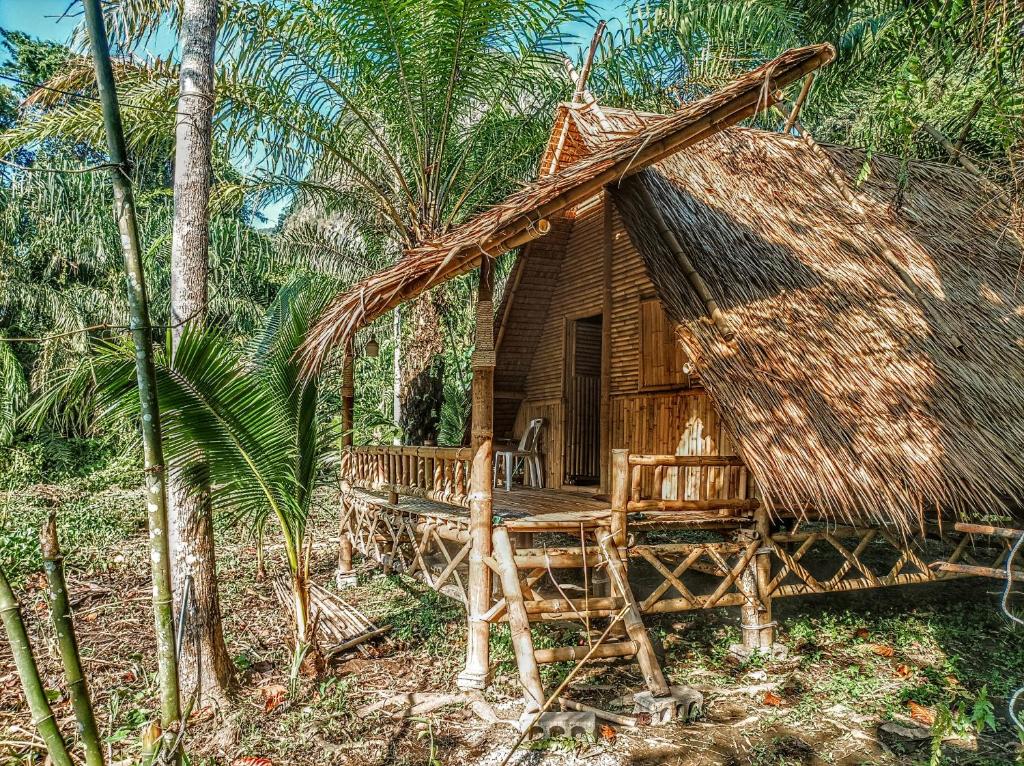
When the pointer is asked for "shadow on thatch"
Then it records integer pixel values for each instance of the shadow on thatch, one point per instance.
(846, 392)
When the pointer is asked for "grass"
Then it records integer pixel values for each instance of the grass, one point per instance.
(948, 645)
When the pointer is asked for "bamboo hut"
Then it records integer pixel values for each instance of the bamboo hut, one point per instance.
(724, 332)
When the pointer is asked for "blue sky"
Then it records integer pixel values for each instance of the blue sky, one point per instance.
(46, 19)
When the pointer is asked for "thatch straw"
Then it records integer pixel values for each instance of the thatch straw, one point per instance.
(489, 233)
(841, 388)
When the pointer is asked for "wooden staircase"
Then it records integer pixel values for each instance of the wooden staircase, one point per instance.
(521, 571)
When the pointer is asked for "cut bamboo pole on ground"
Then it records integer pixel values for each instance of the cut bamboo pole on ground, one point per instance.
(28, 672)
(627, 721)
(67, 643)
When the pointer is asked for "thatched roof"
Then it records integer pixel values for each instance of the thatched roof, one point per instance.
(491, 231)
(844, 390)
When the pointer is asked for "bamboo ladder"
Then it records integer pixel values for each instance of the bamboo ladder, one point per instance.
(519, 570)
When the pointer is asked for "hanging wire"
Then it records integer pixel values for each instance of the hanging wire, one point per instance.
(1005, 604)
(88, 97)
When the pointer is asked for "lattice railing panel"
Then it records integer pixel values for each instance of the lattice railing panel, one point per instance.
(433, 549)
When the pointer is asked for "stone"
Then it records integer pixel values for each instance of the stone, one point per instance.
(559, 725)
(777, 653)
(683, 704)
(345, 580)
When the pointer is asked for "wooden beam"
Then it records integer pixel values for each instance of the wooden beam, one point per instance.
(977, 571)
(689, 270)
(984, 529)
(795, 111)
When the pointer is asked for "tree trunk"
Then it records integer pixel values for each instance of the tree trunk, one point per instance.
(205, 666)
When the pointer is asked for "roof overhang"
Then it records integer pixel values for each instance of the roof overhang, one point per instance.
(516, 219)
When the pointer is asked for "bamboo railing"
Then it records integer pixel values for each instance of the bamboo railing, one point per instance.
(718, 483)
(440, 474)
(697, 484)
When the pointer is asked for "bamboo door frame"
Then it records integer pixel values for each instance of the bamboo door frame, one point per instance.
(568, 362)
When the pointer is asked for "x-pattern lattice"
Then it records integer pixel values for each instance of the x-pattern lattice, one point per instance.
(432, 550)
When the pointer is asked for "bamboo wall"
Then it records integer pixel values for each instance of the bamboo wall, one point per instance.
(654, 407)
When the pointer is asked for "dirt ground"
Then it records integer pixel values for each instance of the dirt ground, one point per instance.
(865, 670)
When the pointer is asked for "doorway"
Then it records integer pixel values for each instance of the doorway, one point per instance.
(582, 451)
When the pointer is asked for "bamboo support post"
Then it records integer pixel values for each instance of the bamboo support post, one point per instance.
(619, 495)
(477, 670)
(762, 578)
(518, 620)
(28, 672)
(631, 618)
(348, 394)
(67, 643)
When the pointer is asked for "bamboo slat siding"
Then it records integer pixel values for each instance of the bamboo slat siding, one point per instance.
(676, 421)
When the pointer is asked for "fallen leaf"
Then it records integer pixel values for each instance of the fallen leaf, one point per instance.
(204, 713)
(273, 695)
(608, 733)
(883, 650)
(861, 633)
(252, 760)
(773, 699)
(921, 714)
(903, 671)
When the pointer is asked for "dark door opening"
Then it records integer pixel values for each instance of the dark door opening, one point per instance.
(582, 458)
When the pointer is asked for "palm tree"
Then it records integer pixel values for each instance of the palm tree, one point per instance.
(900, 63)
(247, 419)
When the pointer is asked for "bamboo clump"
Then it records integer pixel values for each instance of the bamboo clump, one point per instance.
(28, 672)
(67, 643)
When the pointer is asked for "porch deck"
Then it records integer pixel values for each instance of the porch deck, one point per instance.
(525, 509)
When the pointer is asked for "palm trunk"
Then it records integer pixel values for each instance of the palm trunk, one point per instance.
(205, 666)
(35, 694)
(67, 642)
(138, 309)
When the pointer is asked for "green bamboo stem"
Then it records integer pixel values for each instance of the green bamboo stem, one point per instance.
(138, 310)
(35, 694)
(67, 642)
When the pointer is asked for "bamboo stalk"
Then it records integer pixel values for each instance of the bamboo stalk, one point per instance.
(795, 111)
(518, 620)
(28, 672)
(67, 642)
(138, 311)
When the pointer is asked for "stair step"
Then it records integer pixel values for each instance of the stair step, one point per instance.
(599, 604)
(573, 653)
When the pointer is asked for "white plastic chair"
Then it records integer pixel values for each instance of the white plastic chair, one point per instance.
(525, 458)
